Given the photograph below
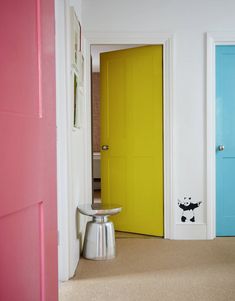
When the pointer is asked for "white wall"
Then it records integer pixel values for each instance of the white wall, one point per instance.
(188, 20)
(62, 147)
(71, 149)
(77, 4)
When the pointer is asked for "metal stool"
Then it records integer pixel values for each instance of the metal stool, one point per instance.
(99, 241)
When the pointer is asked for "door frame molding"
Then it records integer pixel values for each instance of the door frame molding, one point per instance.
(148, 38)
(213, 39)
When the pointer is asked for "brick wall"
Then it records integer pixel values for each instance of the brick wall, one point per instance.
(96, 110)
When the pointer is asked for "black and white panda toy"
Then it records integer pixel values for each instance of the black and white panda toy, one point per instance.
(188, 209)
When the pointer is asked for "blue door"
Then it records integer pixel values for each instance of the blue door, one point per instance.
(225, 140)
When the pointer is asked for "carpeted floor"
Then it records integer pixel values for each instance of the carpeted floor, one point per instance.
(157, 270)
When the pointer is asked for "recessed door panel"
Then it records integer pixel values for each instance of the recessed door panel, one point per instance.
(225, 140)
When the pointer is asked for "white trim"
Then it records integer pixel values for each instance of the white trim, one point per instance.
(213, 39)
(68, 82)
(87, 122)
(62, 142)
(165, 39)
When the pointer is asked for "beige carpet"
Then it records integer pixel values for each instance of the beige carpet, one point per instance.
(157, 270)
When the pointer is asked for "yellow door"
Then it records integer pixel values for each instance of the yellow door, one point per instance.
(132, 128)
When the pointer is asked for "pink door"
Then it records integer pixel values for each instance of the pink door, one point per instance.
(28, 229)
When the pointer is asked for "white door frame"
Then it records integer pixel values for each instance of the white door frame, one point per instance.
(213, 39)
(95, 38)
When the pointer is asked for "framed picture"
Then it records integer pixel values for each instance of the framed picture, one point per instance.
(75, 38)
(81, 68)
(77, 101)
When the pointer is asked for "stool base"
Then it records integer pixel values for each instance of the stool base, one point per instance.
(99, 241)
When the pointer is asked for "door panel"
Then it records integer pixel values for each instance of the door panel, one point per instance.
(14, 29)
(131, 124)
(16, 246)
(28, 228)
(225, 135)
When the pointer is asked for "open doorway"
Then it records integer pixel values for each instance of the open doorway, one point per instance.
(96, 50)
(128, 84)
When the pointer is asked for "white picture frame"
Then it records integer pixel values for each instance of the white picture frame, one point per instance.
(81, 69)
(76, 101)
(75, 30)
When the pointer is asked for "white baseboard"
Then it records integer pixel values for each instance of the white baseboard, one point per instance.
(190, 232)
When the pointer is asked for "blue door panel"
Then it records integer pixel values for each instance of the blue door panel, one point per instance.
(225, 135)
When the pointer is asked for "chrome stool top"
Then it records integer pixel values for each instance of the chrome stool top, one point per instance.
(99, 209)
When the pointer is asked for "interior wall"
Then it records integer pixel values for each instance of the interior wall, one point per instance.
(76, 159)
(71, 149)
(188, 21)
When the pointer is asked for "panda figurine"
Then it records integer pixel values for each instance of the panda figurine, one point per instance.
(188, 209)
